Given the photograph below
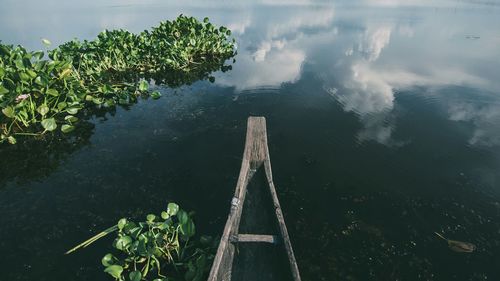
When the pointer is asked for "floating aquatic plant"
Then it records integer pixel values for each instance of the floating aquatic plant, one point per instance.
(40, 95)
(159, 249)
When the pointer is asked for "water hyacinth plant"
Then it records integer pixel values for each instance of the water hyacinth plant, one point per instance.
(161, 248)
(40, 95)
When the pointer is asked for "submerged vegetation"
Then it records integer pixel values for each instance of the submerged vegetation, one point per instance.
(159, 249)
(40, 95)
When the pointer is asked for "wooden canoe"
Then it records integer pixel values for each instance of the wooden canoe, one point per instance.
(229, 263)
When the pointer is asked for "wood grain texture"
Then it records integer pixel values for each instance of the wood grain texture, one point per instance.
(254, 238)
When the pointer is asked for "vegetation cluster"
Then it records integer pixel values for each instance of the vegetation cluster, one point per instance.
(40, 95)
(161, 248)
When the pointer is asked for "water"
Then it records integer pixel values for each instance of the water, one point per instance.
(383, 121)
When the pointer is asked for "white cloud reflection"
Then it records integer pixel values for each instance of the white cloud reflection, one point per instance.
(484, 116)
(380, 57)
(374, 40)
(272, 46)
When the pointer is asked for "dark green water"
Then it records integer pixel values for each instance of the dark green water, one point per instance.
(383, 123)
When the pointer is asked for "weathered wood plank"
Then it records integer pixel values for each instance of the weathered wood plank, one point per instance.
(255, 238)
(281, 222)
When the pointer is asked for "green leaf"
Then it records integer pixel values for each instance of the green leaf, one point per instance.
(39, 81)
(143, 86)
(109, 103)
(62, 105)
(155, 95)
(141, 246)
(71, 118)
(11, 139)
(8, 111)
(150, 218)
(46, 42)
(135, 276)
(114, 270)
(52, 92)
(66, 128)
(65, 73)
(163, 226)
(121, 223)
(31, 73)
(172, 209)
(97, 100)
(24, 77)
(38, 55)
(72, 110)
(108, 260)
(206, 20)
(43, 109)
(49, 124)
(19, 64)
(183, 217)
(188, 228)
(164, 215)
(128, 227)
(3, 90)
(121, 243)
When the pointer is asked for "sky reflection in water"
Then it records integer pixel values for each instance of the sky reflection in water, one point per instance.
(364, 53)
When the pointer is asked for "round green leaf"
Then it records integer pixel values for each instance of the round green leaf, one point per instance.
(108, 260)
(73, 110)
(172, 209)
(121, 243)
(71, 118)
(62, 105)
(49, 124)
(135, 276)
(3, 90)
(52, 92)
(8, 111)
(114, 270)
(164, 215)
(121, 223)
(43, 109)
(66, 128)
(150, 218)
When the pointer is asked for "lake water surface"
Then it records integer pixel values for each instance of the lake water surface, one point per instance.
(383, 120)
